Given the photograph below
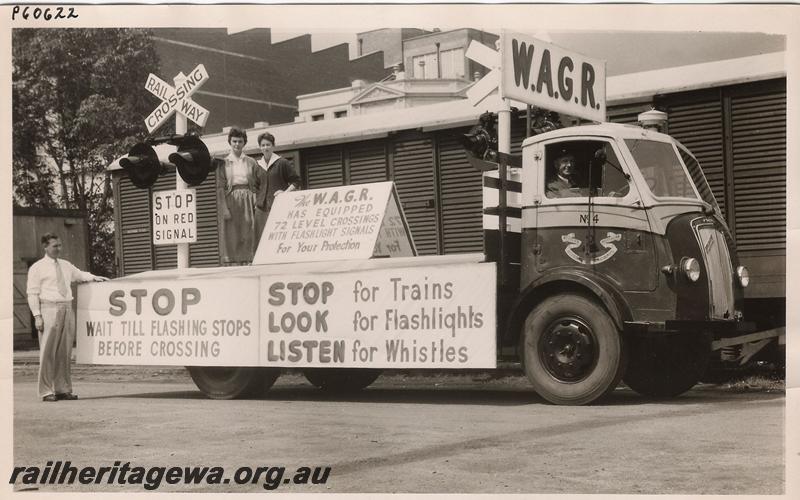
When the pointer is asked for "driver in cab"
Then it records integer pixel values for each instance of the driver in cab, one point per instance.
(565, 182)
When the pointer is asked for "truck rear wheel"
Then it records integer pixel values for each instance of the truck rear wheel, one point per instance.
(341, 379)
(572, 351)
(665, 367)
(224, 382)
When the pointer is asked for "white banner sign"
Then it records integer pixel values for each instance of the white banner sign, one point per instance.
(438, 316)
(431, 317)
(169, 322)
(553, 78)
(174, 217)
(338, 223)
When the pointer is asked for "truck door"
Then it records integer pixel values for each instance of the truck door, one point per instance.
(611, 235)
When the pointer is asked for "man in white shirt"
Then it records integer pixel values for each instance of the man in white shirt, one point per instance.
(50, 300)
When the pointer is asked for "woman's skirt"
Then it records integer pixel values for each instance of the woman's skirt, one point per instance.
(240, 228)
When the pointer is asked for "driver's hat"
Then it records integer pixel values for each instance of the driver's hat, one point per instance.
(564, 153)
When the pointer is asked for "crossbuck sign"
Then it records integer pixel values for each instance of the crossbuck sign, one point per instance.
(177, 98)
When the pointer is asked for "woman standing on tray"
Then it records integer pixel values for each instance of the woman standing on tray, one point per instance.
(276, 175)
(237, 186)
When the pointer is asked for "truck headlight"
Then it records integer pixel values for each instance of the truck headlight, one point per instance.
(691, 268)
(743, 275)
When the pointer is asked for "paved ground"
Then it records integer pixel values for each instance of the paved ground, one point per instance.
(434, 434)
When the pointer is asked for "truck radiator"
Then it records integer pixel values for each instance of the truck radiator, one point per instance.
(720, 273)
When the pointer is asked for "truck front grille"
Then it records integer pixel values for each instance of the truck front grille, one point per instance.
(720, 274)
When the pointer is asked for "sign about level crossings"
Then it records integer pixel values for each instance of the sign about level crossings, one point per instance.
(174, 217)
(177, 98)
(553, 78)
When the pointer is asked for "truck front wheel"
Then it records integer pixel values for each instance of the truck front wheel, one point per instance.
(667, 366)
(223, 382)
(341, 379)
(572, 351)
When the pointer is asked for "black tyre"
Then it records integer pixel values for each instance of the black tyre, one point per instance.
(223, 382)
(667, 366)
(572, 351)
(341, 379)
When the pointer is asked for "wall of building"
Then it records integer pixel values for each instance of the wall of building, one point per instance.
(29, 225)
(387, 40)
(253, 80)
(447, 40)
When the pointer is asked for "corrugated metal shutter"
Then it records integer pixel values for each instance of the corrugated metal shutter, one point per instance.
(367, 162)
(324, 167)
(627, 113)
(518, 134)
(413, 175)
(205, 253)
(135, 233)
(698, 126)
(758, 130)
(166, 256)
(461, 191)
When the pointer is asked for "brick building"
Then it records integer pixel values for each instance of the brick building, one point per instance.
(254, 80)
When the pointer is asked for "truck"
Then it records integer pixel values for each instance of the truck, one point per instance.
(626, 272)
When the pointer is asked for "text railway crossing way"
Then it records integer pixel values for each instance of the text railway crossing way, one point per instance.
(177, 98)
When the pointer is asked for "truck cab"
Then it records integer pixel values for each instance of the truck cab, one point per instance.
(620, 231)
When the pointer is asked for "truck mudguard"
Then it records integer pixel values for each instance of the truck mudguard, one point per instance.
(567, 280)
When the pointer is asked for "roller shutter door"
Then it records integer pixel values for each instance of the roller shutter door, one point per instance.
(205, 253)
(135, 233)
(518, 134)
(324, 167)
(758, 131)
(367, 162)
(698, 125)
(166, 256)
(461, 192)
(627, 114)
(414, 177)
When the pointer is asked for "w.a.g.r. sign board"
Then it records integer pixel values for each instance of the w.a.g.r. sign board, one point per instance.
(552, 78)
(339, 223)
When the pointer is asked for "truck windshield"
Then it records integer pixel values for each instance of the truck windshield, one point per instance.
(661, 168)
(698, 177)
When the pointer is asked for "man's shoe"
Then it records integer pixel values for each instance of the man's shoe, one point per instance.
(67, 396)
(50, 398)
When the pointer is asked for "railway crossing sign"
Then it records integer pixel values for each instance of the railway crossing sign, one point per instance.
(177, 98)
(489, 58)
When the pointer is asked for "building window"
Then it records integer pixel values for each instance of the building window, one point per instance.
(316, 118)
(452, 63)
(340, 114)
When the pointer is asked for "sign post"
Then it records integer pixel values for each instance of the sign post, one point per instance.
(178, 100)
(181, 127)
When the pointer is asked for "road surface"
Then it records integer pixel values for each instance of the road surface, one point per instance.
(422, 434)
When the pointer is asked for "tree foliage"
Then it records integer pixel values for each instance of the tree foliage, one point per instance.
(78, 103)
